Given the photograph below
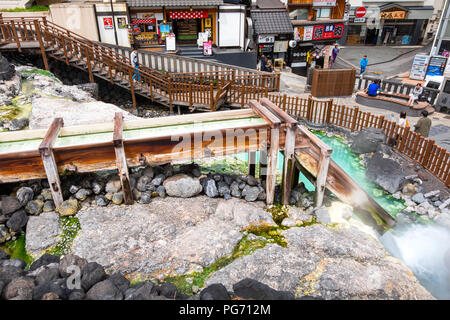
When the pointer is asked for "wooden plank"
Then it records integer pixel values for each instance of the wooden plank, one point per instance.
(288, 168)
(252, 163)
(272, 165)
(41, 44)
(321, 179)
(121, 160)
(264, 113)
(48, 160)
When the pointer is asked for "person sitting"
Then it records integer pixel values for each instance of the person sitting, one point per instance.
(373, 88)
(417, 91)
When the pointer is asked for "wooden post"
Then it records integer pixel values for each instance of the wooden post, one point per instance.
(288, 167)
(190, 95)
(427, 152)
(88, 62)
(263, 164)
(355, 116)
(121, 159)
(48, 160)
(242, 96)
(64, 50)
(133, 97)
(272, 164)
(328, 113)
(295, 176)
(321, 180)
(211, 96)
(170, 94)
(111, 79)
(309, 108)
(41, 44)
(16, 37)
(252, 163)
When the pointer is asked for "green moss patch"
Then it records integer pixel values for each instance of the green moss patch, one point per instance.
(16, 249)
(70, 227)
(243, 248)
(225, 166)
(39, 71)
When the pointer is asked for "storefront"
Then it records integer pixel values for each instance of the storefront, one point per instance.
(187, 24)
(389, 24)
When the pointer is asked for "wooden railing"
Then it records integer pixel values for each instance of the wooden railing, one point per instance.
(429, 94)
(195, 89)
(420, 149)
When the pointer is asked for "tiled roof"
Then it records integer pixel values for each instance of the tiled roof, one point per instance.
(173, 3)
(271, 22)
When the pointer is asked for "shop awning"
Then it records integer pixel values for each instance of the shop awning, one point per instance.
(194, 14)
(271, 22)
(173, 3)
(137, 21)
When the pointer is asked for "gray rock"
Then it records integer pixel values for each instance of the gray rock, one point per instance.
(251, 180)
(385, 172)
(288, 222)
(210, 188)
(71, 260)
(3, 255)
(145, 198)
(104, 290)
(223, 188)
(255, 290)
(68, 207)
(117, 198)
(47, 274)
(82, 194)
(24, 195)
(18, 124)
(44, 288)
(368, 140)
(432, 193)
(97, 187)
(148, 171)
(161, 191)
(74, 189)
(20, 288)
(44, 260)
(77, 295)
(137, 194)
(101, 200)
(91, 274)
(119, 281)
(4, 234)
(250, 193)
(215, 291)
(418, 198)
(42, 233)
(144, 292)
(322, 215)
(113, 185)
(182, 185)
(235, 190)
(142, 183)
(16, 262)
(34, 207)
(445, 204)
(47, 194)
(17, 221)
(9, 273)
(49, 206)
(10, 205)
(158, 180)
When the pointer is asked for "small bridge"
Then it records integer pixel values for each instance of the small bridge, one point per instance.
(205, 90)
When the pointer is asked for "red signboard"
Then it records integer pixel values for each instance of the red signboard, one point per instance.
(107, 23)
(360, 12)
(330, 31)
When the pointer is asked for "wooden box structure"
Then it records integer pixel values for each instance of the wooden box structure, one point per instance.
(333, 82)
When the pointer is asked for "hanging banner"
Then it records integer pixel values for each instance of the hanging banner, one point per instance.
(308, 33)
(328, 31)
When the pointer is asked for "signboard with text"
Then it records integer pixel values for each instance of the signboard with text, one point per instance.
(108, 23)
(419, 67)
(324, 3)
(266, 39)
(436, 66)
(330, 31)
(308, 33)
(393, 15)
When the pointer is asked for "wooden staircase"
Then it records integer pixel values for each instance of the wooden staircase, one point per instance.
(206, 90)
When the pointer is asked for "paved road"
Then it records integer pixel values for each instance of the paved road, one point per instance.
(380, 58)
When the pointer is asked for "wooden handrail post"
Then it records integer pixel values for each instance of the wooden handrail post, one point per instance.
(14, 31)
(88, 62)
(170, 93)
(151, 88)
(321, 180)
(41, 44)
(328, 114)
(309, 108)
(63, 43)
(242, 96)
(381, 122)
(111, 79)
(133, 97)
(272, 164)
(190, 95)
(121, 159)
(211, 94)
(48, 160)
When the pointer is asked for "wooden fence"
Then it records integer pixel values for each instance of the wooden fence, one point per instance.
(420, 149)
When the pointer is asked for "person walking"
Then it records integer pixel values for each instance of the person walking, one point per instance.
(423, 125)
(363, 64)
(402, 121)
(263, 63)
(268, 64)
(135, 64)
(417, 91)
(335, 52)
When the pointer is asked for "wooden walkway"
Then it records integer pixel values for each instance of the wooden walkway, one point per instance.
(204, 90)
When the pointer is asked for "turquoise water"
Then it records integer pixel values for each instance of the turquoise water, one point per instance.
(349, 162)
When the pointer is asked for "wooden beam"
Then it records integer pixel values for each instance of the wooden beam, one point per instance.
(288, 171)
(121, 159)
(48, 160)
(264, 113)
(321, 179)
(133, 97)
(272, 165)
(252, 163)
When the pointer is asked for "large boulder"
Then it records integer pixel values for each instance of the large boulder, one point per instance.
(255, 290)
(42, 232)
(215, 291)
(385, 172)
(182, 185)
(44, 260)
(19, 289)
(9, 273)
(368, 140)
(71, 260)
(10, 205)
(17, 221)
(104, 290)
(91, 274)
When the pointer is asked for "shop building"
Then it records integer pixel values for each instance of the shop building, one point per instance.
(152, 20)
(399, 23)
(272, 29)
